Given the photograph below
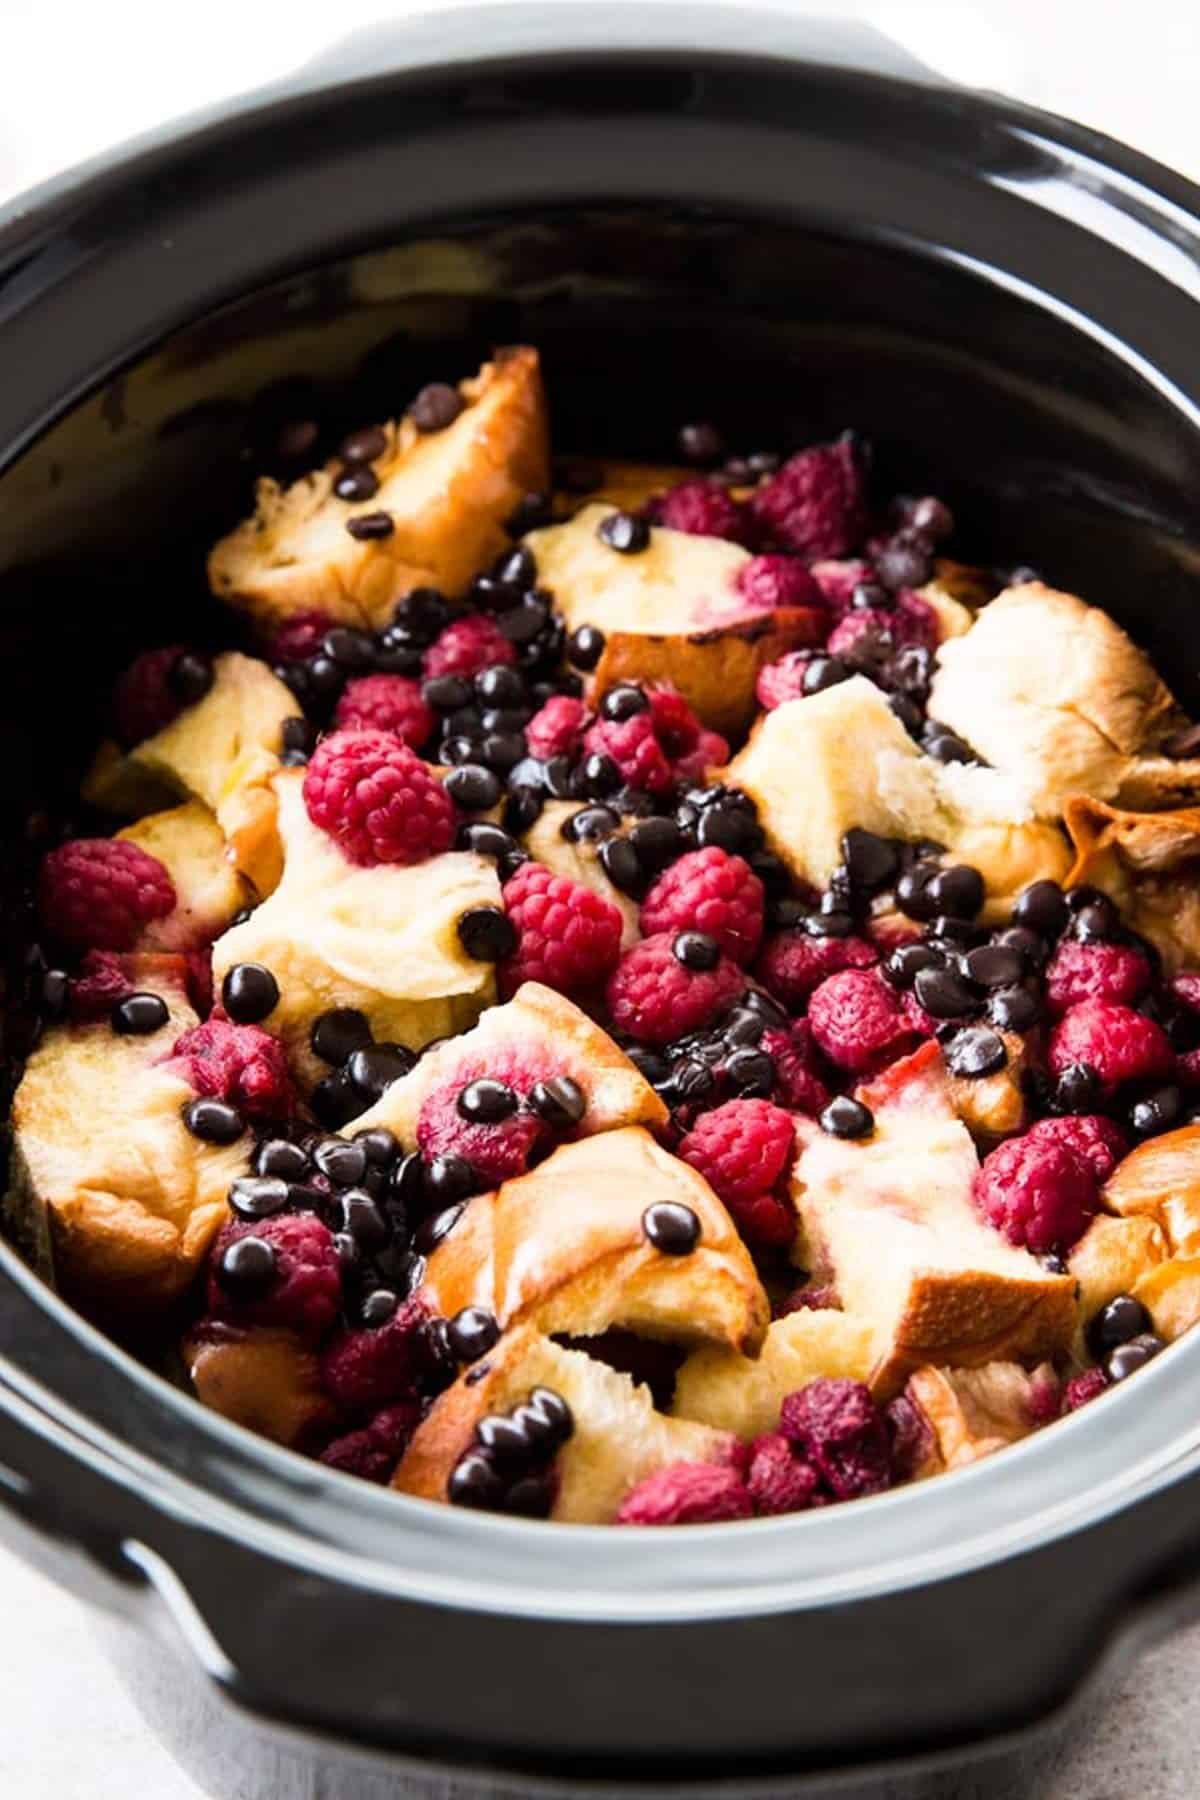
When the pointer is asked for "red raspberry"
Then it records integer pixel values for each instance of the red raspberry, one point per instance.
(744, 1150)
(653, 997)
(838, 580)
(778, 1479)
(143, 700)
(775, 581)
(815, 503)
(557, 728)
(1082, 1388)
(199, 979)
(911, 1434)
(864, 638)
(704, 508)
(1039, 1193)
(364, 1370)
(792, 964)
(1077, 972)
(377, 799)
(568, 936)
(675, 724)
(839, 1429)
(466, 646)
(634, 748)
(806, 1299)
(858, 1021)
(1100, 1141)
(101, 982)
(709, 752)
(240, 1064)
(711, 891)
(299, 637)
(916, 621)
(390, 703)
(1043, 1402)
(99, 893)
(1186, 989)
(306, 1295)
(687, 1494)
(782, 680)
(495, 1151)
(373, 1452)
(1119, 1043)
(797, 1079)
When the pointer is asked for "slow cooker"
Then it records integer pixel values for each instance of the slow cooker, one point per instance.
(797, 228)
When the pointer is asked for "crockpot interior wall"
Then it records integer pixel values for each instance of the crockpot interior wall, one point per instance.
(1051, 450)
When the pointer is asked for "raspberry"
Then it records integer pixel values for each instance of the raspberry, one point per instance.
(1082, 1388)
(199, 979)
(704, 508)
(240, 1064)
(373, 1452)
(782, 680)
(778, 1479)
(1039, 1193)
(675, 724)
(466, 646)
(792, 964)
(911, 1434)
(858, 1021)
(101, 982)
(807, 1299)
(634, 748)
(653, 997)
(709, 890)
(497, 1151)
(297, 637)
(557, 728)
(306, 1294)
(1112, 972)
(838, 580)
(1100, 1141)
(1043, 1402)
(660, 745)
(815, 503)
(1119, 1043)
(797, 1079)
(842, 1433)
(363, 1370)
(687, 1494)
(864, 639)
(567, 936)
(915, 621)
(709, 752)
(377, 799)
(99, 893)
(387, 703)
(143, 699)
(1186, 989)
(744, 1151)
(774, 581)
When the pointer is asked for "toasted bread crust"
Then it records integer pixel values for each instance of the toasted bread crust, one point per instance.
(266, 1380)
(1147, 862)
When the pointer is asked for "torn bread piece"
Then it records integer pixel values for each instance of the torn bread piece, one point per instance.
(447, 494)
(617, 1436)
(579, 860)
(190, 845)
(1149, 863)
(889, 1220)
(975, 1412)
(672, 613)
(1157, 1186)
(261, 1377)
(742, 1394)
(566, 1248)
(1111, 1258)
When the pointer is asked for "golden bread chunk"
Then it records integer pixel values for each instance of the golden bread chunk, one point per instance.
(565, 1249)
(955, 591)
(263, 1378)
(1170, 1293)
(1111, 1258)
(1051, 692)
(1149, 864)
(743, 1394)
(1160, 1179)
(889, 1221)
(448, 494)
(578, 862)
(974, 1412)
(129, 1199)
(208, 890)
(546, 1033)
(383, 939)
(671, 613)
(630, 485)
(618, 1437)
(993, 1106)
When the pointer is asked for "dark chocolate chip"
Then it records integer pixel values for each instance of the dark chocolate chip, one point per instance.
(259, 1196)
(589, 825)
(338, 1033)
(696, 951)
(1078, 1089)
(871, 861)
(623, 702)
(751, 1072)
(348, 648)
(278, 1156)
(957, 890)
(621, 864)
(994, 966)
(1041, 907)
(374, 1068)
(1128, 1358)
(475, 1482)
(585, 646)
(625, 532)
(824, 672)
(379, 1146)
(246, 1269)
(1156, 1112)
(487, 933)
(364, 445)
(366, 527)
(190, 677)
(471, 1333)
(847, 1118)
(358, 1216)
(378, 1307)
(943, 993)
(904, 964)
(1014, 1008)
(558, 1100)
(1117, 1323)
(473, 788)
(436, 406)
(671, 1227)
(701, 443)
(139, 1014)
(249, 992)
(357, 483)
(448, 1179)
(336, 1101)
(975, 1052)
(213, 1121)
(486, 1102)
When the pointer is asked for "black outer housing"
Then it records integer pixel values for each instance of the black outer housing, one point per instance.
(1006, 304)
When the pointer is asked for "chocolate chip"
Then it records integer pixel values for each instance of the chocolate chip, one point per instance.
(912, 891)
(364, 445)
(55, 993)
(847, 1118)
(523, 808)
(828, 924)
(546, 1420)
(1095, 923)
(751, 1072)
(213, 1121)
(558, 1100)
(504, 1440)
(1032, 948)
(359, 483)
(1128, 1358)
(585, 646)
(379, 1145)
(487, 933)
(871, 861)
(190, 677)
(623, 702)
(367, 527)
(1014, 1008)
(696, 951)
(278, 1156)
(448, 1179)
(1078, 1089)
(871, 596)
(349, 649)
(484, 839)
(1123, 1319)
(904, 562)
(336, 1034)
(246, 1269)
(342, 1162)
(994, 966)
(473, 788)
(138, 1015)
(502, 750)
(975, 1052)
(656, 843)
(358, 1215)
(374, 1068)
(436, 407)
(298, 733)
(905, 963)
(249, 992)
(957, 890)
(378, 1307)
(621, 864)
(742, 1026)
(700, 443)
(324, 677)
(589, 825)
(475, 1482)
(671, 1227)
(824, 672)
(954, 934)
(945, 747)
(297, 439)
(730, 828)
(1156, 1112)
(487, 1102)
(625, 532)
(471, 1333)
(259, 1196)
(1041, 907)
(943, 993)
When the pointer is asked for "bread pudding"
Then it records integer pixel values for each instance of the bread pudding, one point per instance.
(660, 999)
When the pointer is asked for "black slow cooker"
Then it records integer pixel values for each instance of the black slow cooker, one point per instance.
(686, 210)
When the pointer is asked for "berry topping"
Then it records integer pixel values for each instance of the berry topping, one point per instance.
(1095, 971)
(704, 508)
(299, 1285)
(798, 1080)
(363, 1370)
(788, 678)
(1039, 1192)
(744, 1150)
(634, 748)
(838, 1428)
(653, 996)
(151, 693)
(372, 1452)
(793, 964)
(567, 936)
(779, 1479)
(100, 984)
(688, 1494)
(377, 799)
(776, 581)
(497, 1147)
(389, 703)
(654, 738)
(1082, 1388)
(100, 893)
(815, 503)
(557, 728)
(1100, 1141)
(711, 892)
(1118, 1043)
(298, 637)
(466, 646)
(240, 1064)
(859, 1022)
